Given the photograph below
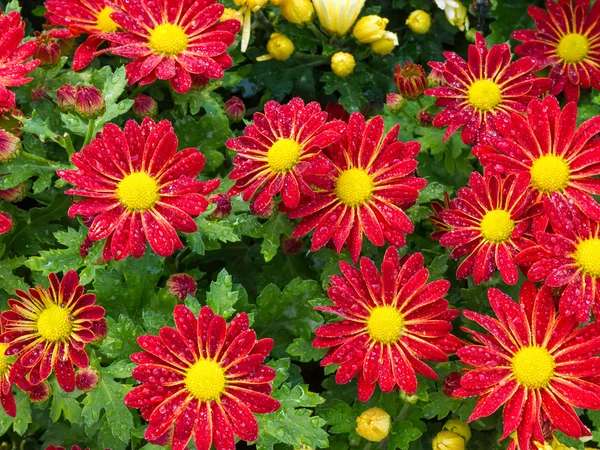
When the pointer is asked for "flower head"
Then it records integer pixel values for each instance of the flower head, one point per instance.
(49, 328)
(173, 40)
(205, 378)
(65, 98)
(419, 21)
(458, 427)
(279, 47)
(391, 322)
(279, 150)
(181, 285)
(235, 109)
(561, 158)
(343, 64)
(5, 222)
(296, 11)
(539, 364)
(485, 90)
(567, 39)
(369, 29)
(87, 379)
(457, 15)
(144, 106)
(489, 223)
(14, 194)
(448, 440)
(74, 447)
(10, 146)
(338, 16)
(386, 44)
(89, 102)
(47, 51)
(371, 183)
(410, 80)
(40, 392)
(394, 102)
(223, 206)
(7, 362)
(138, 188)
(374, 424)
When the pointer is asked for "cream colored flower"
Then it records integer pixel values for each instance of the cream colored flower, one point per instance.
(458, 16)
(338, 16)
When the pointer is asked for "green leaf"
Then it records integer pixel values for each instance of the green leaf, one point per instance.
(340, 416)
(439, 406)
(64, 404)
(8, 281)
(11, 6)
(22, 420)
(121, 340)
(113, 86)
(222, 295)
(271, 232)
(403, 433)
(303, 350)
(351, 88)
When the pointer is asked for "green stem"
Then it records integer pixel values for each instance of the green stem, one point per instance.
(36, 158)
(90, 132)
(317, 32)
(402, 412)
(403, 112)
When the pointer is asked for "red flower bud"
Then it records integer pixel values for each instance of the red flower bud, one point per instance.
(264, 213)
(291, 246)
(84, 248)
(5, 222)
(424, 118)
(10, 146)
(14, 194)
(411, 80)
(436, 76)
(199, 81)
(40, 393)
(47, 51)
(394, 102)
(38, 93)
(144, 106)
(100, 330)
(87, 379)
(223, 209)
(181, 285)
(235, 109)
(89, 102)
(451, 383)
(65, 98)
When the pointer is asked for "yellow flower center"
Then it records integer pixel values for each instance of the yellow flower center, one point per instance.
(385, 324)
(497, 226)
(533, 367)
(284, 155)
(573, 48)
(587, 256)
(168, 39)
(550, 173)
(354, 187)
(484, 95)
(205, 380)
(104, 22)
(138, 191)
(4, 362)
(54, 324)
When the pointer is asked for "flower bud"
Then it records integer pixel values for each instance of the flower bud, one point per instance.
(458, 427)
(40, 392)
(65, 98)
(470, 35)
(436, 76)
(235, 109)
(424, 118)
(411, 80)
(411, 399)
(223, 209)
(47, 51)
(230, 13)
(100, 330)
(370, 29)
(386, 44)
(89, 102)
(264, 213)
(253, 5)
(181, 285)
(394, 102)
(451, 383)
(87, 379)
(291, 246)
(5, 222)
(447, 440)
(298, 12)
(199, 81)
(38, 93)
(144, 106)
(9, 121)
(10, 146)
(84, 248)
(374, 424)
(457, 16)
(343, 64)
(419, 21)
(280, 47)
(14, 194)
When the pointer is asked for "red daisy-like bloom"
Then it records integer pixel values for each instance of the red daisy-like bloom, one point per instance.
(48, 329)
(81, 17)
(547, 144)
(173, 40)
(535, 362)
(567, 38)
(371, 183)
(486, 89)
(7, 398)
(5, 222)
(204, 379)
(489, 222)
(139, 188)
(569, 257)
(14, 55)
(281, 148)
(441, 227)
(391, 322)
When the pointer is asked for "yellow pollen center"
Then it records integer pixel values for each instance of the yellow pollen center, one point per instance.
(4, 364)
(484, 95)
(573, 48)
(284, 155)
(205, 380)
(550, 173)
(533, 367)
(168, 39)
(587, 256)
(354, 187)
(497, 226)
(385, 324)
(138, 191)
(104, 22)
(54, 324)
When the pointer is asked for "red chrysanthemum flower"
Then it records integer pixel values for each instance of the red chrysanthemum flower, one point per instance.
(391, 322)
(139, 188)
(5, 222)
(489, 223)
(7, 398)
(372, 181)
(81, 17)
(204, 379)
(567, 38)
(14, 55)
(547, 144)
(74, 447)
(173, 40)
(569, 257)
(441, 227)
(281, 148)
(48, 329)
(484, 90)
(535, 362)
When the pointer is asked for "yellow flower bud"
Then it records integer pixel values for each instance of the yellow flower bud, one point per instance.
(457, 16)
(374, 424)
(370, 29)
(296, 11)
(458, 427)
(447, 440)
(253, 5)
(419, 21)
(231, 13)
(386, 44)
(343, 64)
(280, 47)
(338, 16)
